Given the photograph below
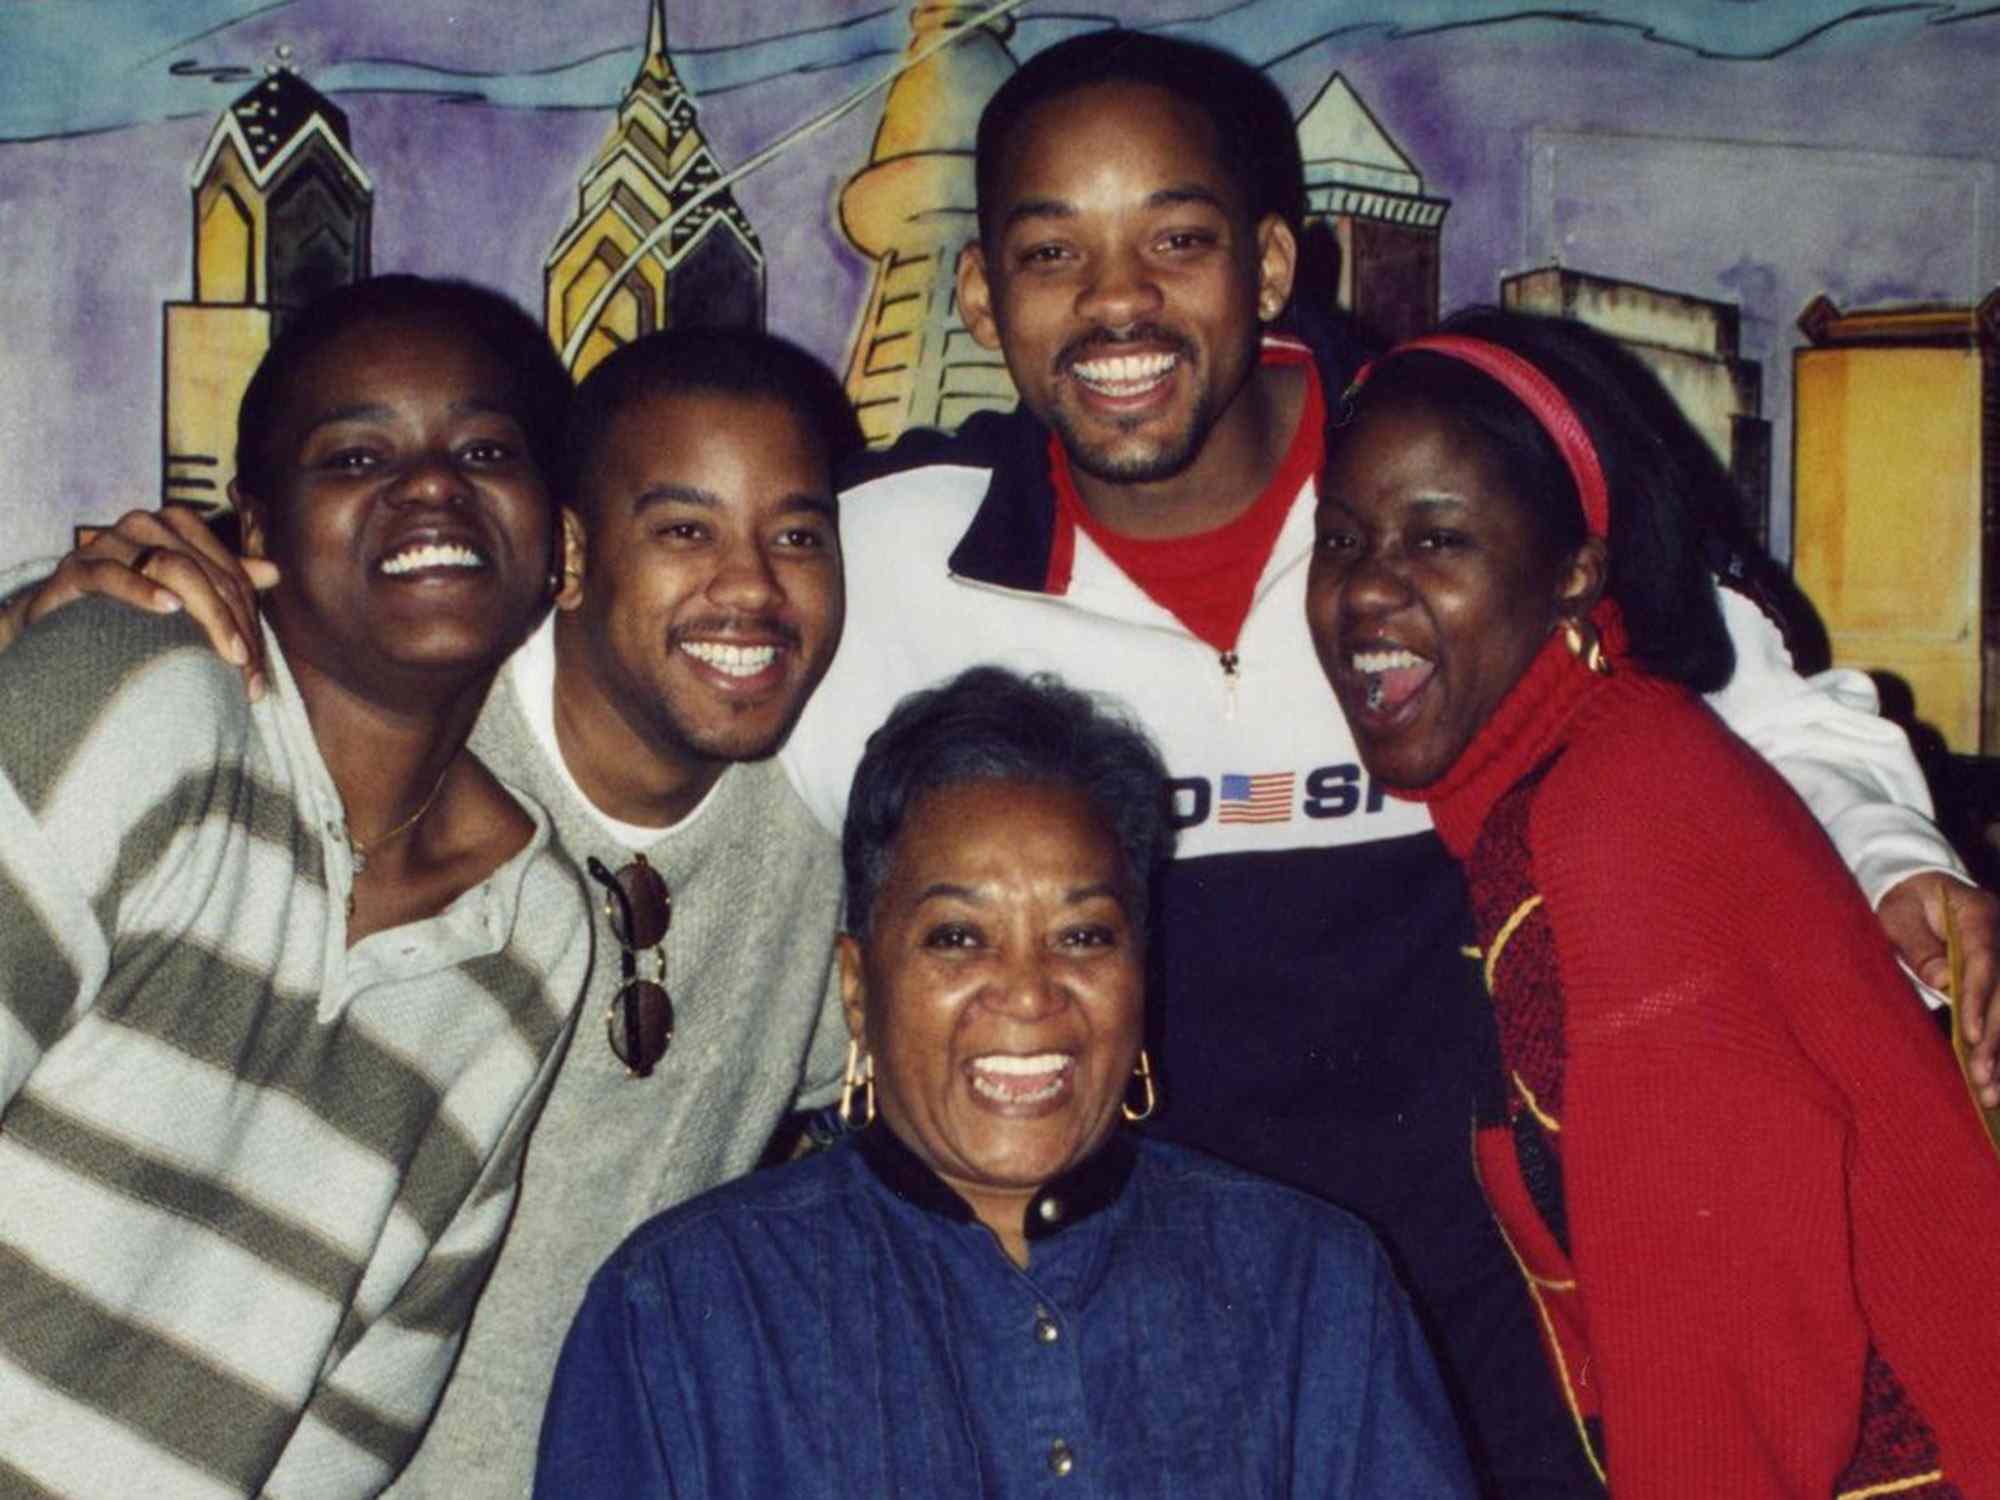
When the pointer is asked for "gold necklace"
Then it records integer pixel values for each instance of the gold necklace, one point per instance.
(360, 851)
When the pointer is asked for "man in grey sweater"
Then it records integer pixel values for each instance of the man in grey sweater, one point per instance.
(700, 601)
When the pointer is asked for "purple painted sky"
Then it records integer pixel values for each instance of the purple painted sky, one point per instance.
(1860, 161)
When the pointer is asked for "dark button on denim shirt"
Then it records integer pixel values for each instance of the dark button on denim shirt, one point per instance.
(844, 1327)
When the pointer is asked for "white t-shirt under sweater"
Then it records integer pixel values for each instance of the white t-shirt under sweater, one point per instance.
(758, 1031)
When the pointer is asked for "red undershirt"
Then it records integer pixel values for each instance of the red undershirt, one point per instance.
(1206, 580)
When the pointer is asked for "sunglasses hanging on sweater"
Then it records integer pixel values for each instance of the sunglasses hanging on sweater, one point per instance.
(639, 908)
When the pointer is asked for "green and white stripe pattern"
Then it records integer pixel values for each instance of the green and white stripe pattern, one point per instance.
(251, 1181)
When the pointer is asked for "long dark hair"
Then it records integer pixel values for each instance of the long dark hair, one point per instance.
(1673, 507)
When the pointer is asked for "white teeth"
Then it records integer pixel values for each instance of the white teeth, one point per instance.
(1124, 374)
(1020, 1067)
(987, 1089)
(1385, 661)
(432, 555)
(731, 661)
(987, 1086)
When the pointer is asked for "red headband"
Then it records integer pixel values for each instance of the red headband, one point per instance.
(1545, 403)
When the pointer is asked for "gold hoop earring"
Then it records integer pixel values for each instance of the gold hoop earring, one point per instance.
(1142, 1071)
(1586, 646)
(859, 1074)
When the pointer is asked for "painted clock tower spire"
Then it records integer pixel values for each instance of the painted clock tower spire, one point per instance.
(709, 266)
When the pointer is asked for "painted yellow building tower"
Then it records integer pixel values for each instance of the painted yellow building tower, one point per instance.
(912, 364)
(1896, 501)
(282, 212)
(709, 266)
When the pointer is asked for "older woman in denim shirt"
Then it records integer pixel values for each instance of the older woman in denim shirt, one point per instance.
(993, 1289)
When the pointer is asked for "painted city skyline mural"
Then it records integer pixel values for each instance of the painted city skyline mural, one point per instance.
(1693, 174)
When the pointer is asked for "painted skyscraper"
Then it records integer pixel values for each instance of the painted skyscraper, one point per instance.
(912, 364)
(1691, 343)
(708, 267)
(282, 212)
(1364, 192)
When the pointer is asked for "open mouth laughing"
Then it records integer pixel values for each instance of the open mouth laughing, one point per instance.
(1391, 677)
(1009, 1079)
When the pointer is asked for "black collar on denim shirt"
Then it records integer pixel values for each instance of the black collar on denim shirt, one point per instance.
(1092, 1184)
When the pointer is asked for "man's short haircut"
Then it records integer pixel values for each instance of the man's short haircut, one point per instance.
(990, 724)
(539, 387)
(741, 362)
(1255, 135)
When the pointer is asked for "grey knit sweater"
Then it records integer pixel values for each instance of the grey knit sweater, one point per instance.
(756, 887)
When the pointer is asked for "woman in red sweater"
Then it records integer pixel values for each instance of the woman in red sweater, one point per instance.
(1735, 1162)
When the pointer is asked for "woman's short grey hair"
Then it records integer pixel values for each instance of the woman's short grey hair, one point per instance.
(990, 724)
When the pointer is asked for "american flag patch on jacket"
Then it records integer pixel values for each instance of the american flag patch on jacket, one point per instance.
(1256, 799)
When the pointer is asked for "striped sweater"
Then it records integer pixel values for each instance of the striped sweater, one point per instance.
(251, 1179)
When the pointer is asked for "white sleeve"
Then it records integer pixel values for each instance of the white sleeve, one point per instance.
(1826, 736)
(24, 576)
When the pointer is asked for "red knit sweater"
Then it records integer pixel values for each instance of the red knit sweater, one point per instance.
(1737, 1165)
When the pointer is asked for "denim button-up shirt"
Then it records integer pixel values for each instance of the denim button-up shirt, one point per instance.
(844, 1327)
